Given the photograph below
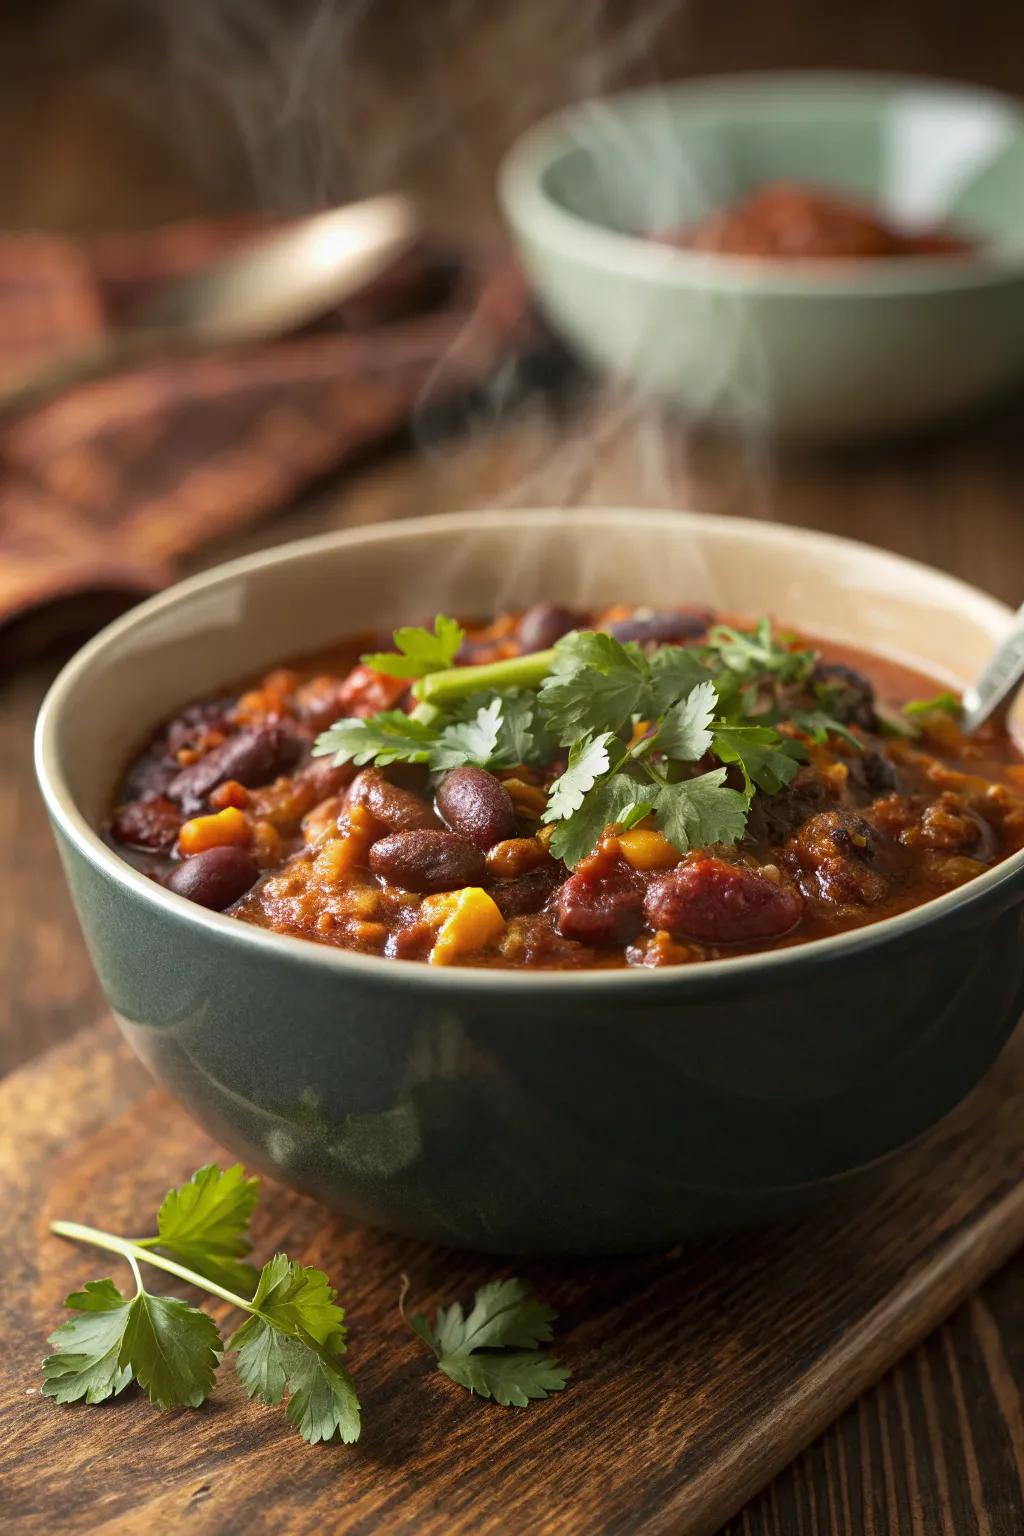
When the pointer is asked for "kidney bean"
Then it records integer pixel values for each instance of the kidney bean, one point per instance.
(427, 861)
(543, 624)
(661, 628)
(721, 903)
(149, 778)
(214, 879)
(193, 722)
(527, 893)
(152, 824)
(323, 778)
(252, 756)
(601, 902)
(398, 809)
(478, 805)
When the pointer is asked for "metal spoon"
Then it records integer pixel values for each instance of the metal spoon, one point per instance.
(998, 678)
(272, 287)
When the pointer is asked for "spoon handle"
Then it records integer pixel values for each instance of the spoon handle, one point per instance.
(1000, 676)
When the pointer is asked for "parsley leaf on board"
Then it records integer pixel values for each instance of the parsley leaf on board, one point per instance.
(290, 1344)
(493, 1352)
(293, 1344)
(168, 1347)
(205, 1222)
(419, 650)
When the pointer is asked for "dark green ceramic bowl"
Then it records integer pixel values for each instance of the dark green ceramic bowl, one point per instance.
(545, 1112)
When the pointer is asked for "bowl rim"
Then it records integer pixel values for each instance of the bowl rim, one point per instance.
(639, 982)
(530, 208)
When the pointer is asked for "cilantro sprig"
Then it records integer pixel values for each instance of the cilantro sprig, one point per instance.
(493, 1352)
(419, 651)
(289, 1346)
(684, 734)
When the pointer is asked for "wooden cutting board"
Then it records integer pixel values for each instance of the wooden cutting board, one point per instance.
(698, 1373)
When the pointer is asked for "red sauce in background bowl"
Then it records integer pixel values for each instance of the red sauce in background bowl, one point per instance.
(790, 221)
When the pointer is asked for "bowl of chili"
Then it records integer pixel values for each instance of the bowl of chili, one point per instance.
(825, 257)
(367, 993)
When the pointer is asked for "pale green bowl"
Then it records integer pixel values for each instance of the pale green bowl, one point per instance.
(815, 352)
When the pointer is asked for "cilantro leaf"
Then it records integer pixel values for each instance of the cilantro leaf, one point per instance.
(764, 758)
(419, 650)
(618, 798)
(520, 740)
(819, 725)
(698, 811)
(168, 1347)
(588, 760)
(388, 737)
(596, 684)
(87, 1363)
(472, 742)
(752, 652)
(492, 1351)
(945, 703)
(675, 671)
(204, 1224)
(685, 732)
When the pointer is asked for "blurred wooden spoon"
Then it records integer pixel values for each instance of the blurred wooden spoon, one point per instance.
(273, 286)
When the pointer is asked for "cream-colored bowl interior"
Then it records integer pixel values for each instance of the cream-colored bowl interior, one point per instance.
(260, 611)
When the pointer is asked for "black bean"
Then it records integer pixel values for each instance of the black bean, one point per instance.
(398, 809)
(661, 628)
(543, 624)
(426, 861)
(478, 805)
(216, 878)
(251, 756)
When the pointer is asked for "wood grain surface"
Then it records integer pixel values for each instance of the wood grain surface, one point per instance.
(698, 1373)
(89, 139)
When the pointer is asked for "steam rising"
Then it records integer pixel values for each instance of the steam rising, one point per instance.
(294, 104)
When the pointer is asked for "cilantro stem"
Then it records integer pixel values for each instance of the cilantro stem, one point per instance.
(495, 676)
(132, 1252)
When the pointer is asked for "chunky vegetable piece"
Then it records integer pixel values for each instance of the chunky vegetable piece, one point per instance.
(561, 789)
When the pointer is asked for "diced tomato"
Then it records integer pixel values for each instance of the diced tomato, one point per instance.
(365, 692)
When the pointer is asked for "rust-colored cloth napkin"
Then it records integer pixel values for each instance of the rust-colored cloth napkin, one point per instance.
(104, 489)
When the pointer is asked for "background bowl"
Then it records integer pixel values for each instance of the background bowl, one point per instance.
(817, 352)
(567, 1112)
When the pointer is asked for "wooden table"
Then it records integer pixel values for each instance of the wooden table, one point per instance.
(938, 1445)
